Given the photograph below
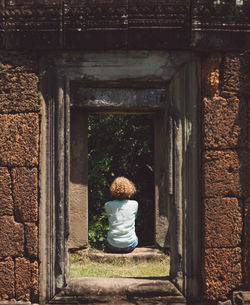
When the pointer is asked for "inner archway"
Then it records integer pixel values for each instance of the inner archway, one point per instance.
(123, 129)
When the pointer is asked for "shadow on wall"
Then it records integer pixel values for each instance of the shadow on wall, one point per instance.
(244, 160)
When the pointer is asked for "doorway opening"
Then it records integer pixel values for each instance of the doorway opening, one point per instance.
(117, 132)
(120, 145)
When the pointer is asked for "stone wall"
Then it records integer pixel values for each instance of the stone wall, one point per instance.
(225, 121)
(19, 153)
(226, 179)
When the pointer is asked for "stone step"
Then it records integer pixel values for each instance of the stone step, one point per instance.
(121, 291)
(139, 254)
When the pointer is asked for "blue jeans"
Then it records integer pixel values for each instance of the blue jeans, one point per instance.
(129, 249)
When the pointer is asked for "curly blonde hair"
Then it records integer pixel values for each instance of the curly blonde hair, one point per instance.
(122, 188)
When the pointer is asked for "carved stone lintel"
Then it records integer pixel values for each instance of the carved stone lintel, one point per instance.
(82, 15)
(124, 24)
(117, 98)
(221, 15)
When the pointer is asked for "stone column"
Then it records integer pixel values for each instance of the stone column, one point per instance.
(78, 179)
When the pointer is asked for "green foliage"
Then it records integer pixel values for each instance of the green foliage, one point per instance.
(40, 76)
(98, 230)
(22, 83)
(120, 145)
(2, 67)
(39, 95)
(39, 107)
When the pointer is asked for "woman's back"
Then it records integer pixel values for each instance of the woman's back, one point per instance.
(121, 215)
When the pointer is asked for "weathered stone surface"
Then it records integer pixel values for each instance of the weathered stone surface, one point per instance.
(125, 291)
(19, 139)
(247, 243)
(78, 237)
(225, 122)
(222, 222)
(6, 201)
(228, 302)
(31, 239)
(95, 286)
(140, 254)
(245, 74)
(18, 61)
(25, 189)
(211, 75)
(136, 66)
(34, 288)
(18, 91)
(7, 279)
(241, 297)
(23, 278)
(226, 173)
(245, 86)
(118, 98)
(248, 126)
(125, 25)
(222, 272)
(12, 237)
(231, 73)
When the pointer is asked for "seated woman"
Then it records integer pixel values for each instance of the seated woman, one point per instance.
(121, 215)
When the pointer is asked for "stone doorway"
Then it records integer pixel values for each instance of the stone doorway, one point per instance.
(177, 74)
(122, 101)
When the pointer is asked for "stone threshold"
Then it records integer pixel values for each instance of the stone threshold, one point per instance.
(139, 254)
(119, 291)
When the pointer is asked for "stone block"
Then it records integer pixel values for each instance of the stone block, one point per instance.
(118, 98)
(247, 243)
(18, 91)
(231, 80)
(225, 122)
(247, 220)
(6, 201)
(31, 239)
(211, 75)
(241, 297)
(222, 272)
(226, 173)
(78, 216)
(23, 278)
(19, 139)
(25, 192)
(12, 237)
(228, 302)
(7, 279)
(34, 287)
(223, 222)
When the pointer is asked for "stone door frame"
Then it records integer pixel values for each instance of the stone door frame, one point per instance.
(178, 71)
(119, 98)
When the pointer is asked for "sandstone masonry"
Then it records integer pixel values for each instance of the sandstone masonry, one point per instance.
(19, 151)
(225, 173)
(225, 139)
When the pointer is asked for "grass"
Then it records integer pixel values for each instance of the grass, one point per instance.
(81, 265)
